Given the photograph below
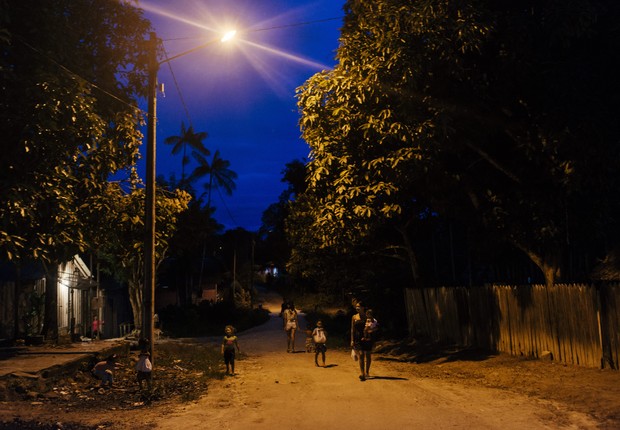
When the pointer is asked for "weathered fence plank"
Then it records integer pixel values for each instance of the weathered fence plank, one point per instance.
(577, 324)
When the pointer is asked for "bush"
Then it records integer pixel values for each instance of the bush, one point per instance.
(338, 326)
(208, 319)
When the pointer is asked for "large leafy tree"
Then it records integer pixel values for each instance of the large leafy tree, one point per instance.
(486, 111)
(70, 72)
(70, 75)
(123, 251)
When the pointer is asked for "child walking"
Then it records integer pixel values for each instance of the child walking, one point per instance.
(144, 369)
(320, 338)
(229, 343)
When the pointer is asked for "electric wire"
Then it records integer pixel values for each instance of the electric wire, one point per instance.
(176, 85)
(226, 206)
(258, 30)
(75, 75)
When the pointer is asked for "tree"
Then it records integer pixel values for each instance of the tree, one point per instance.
(273, 229)
(188, 137)
(71, 72)
(123, 251)
(467, 109)
(188, 250)
(218, 172)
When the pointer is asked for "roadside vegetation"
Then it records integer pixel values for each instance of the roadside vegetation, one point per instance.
(207, 319)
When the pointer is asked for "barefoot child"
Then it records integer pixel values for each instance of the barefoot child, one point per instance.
(104, 370)
(320, 338)
(144, 369)
(229, 343)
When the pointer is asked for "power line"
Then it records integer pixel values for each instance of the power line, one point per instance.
(225, 206)
(298, 24)
(74, 74)
(176, 84)
(277, 27)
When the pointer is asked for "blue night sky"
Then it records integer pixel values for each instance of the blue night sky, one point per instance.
(241, 93)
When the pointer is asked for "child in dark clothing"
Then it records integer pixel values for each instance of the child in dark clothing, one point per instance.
(229, 343)
(104, 370)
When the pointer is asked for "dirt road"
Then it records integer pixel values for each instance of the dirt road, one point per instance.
(277, 390)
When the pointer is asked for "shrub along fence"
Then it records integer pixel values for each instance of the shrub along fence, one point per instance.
(577, 324)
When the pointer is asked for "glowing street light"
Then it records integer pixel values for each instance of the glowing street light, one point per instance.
(148, 294)
(228, 36)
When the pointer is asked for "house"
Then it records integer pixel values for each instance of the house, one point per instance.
(22, 299)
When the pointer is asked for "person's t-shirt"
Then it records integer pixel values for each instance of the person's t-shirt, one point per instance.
(229, 343)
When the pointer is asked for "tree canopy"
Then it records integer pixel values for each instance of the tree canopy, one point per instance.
(71, 72)
(497, 114)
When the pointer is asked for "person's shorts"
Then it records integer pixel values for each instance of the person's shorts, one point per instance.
(144, 376)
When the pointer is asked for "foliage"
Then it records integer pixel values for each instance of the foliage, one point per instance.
(188, 137)
(71, 72)
(273, 230)
(489, 113)
(220, 175)
(208, 319)
(123, 251)
(337, 326)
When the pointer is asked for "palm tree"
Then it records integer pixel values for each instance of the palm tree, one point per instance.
(218, 171)
(187, 137)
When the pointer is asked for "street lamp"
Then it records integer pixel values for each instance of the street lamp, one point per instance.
(148, 294)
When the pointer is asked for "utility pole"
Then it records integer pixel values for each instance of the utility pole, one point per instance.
(148, 294)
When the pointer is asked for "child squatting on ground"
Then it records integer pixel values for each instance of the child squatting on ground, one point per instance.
(320, 339)
(229, 343)
(104, 370)
(144, 369)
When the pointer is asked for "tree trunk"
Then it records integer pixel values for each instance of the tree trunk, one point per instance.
(50, 322)
(548, 264)
(415, 276)
(135, 298)
(411, 257)
(17, 287)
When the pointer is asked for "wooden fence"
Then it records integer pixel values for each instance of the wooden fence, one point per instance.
(576, 324)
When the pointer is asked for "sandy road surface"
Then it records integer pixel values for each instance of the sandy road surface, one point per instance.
(277, 390)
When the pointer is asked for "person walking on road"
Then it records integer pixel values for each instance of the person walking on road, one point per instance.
(289, 317)
(361, 345)
(320, 339)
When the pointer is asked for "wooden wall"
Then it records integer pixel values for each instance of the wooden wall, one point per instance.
(577, 324)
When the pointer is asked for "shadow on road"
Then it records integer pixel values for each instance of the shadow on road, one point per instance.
(390, 378)
(416, 352)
